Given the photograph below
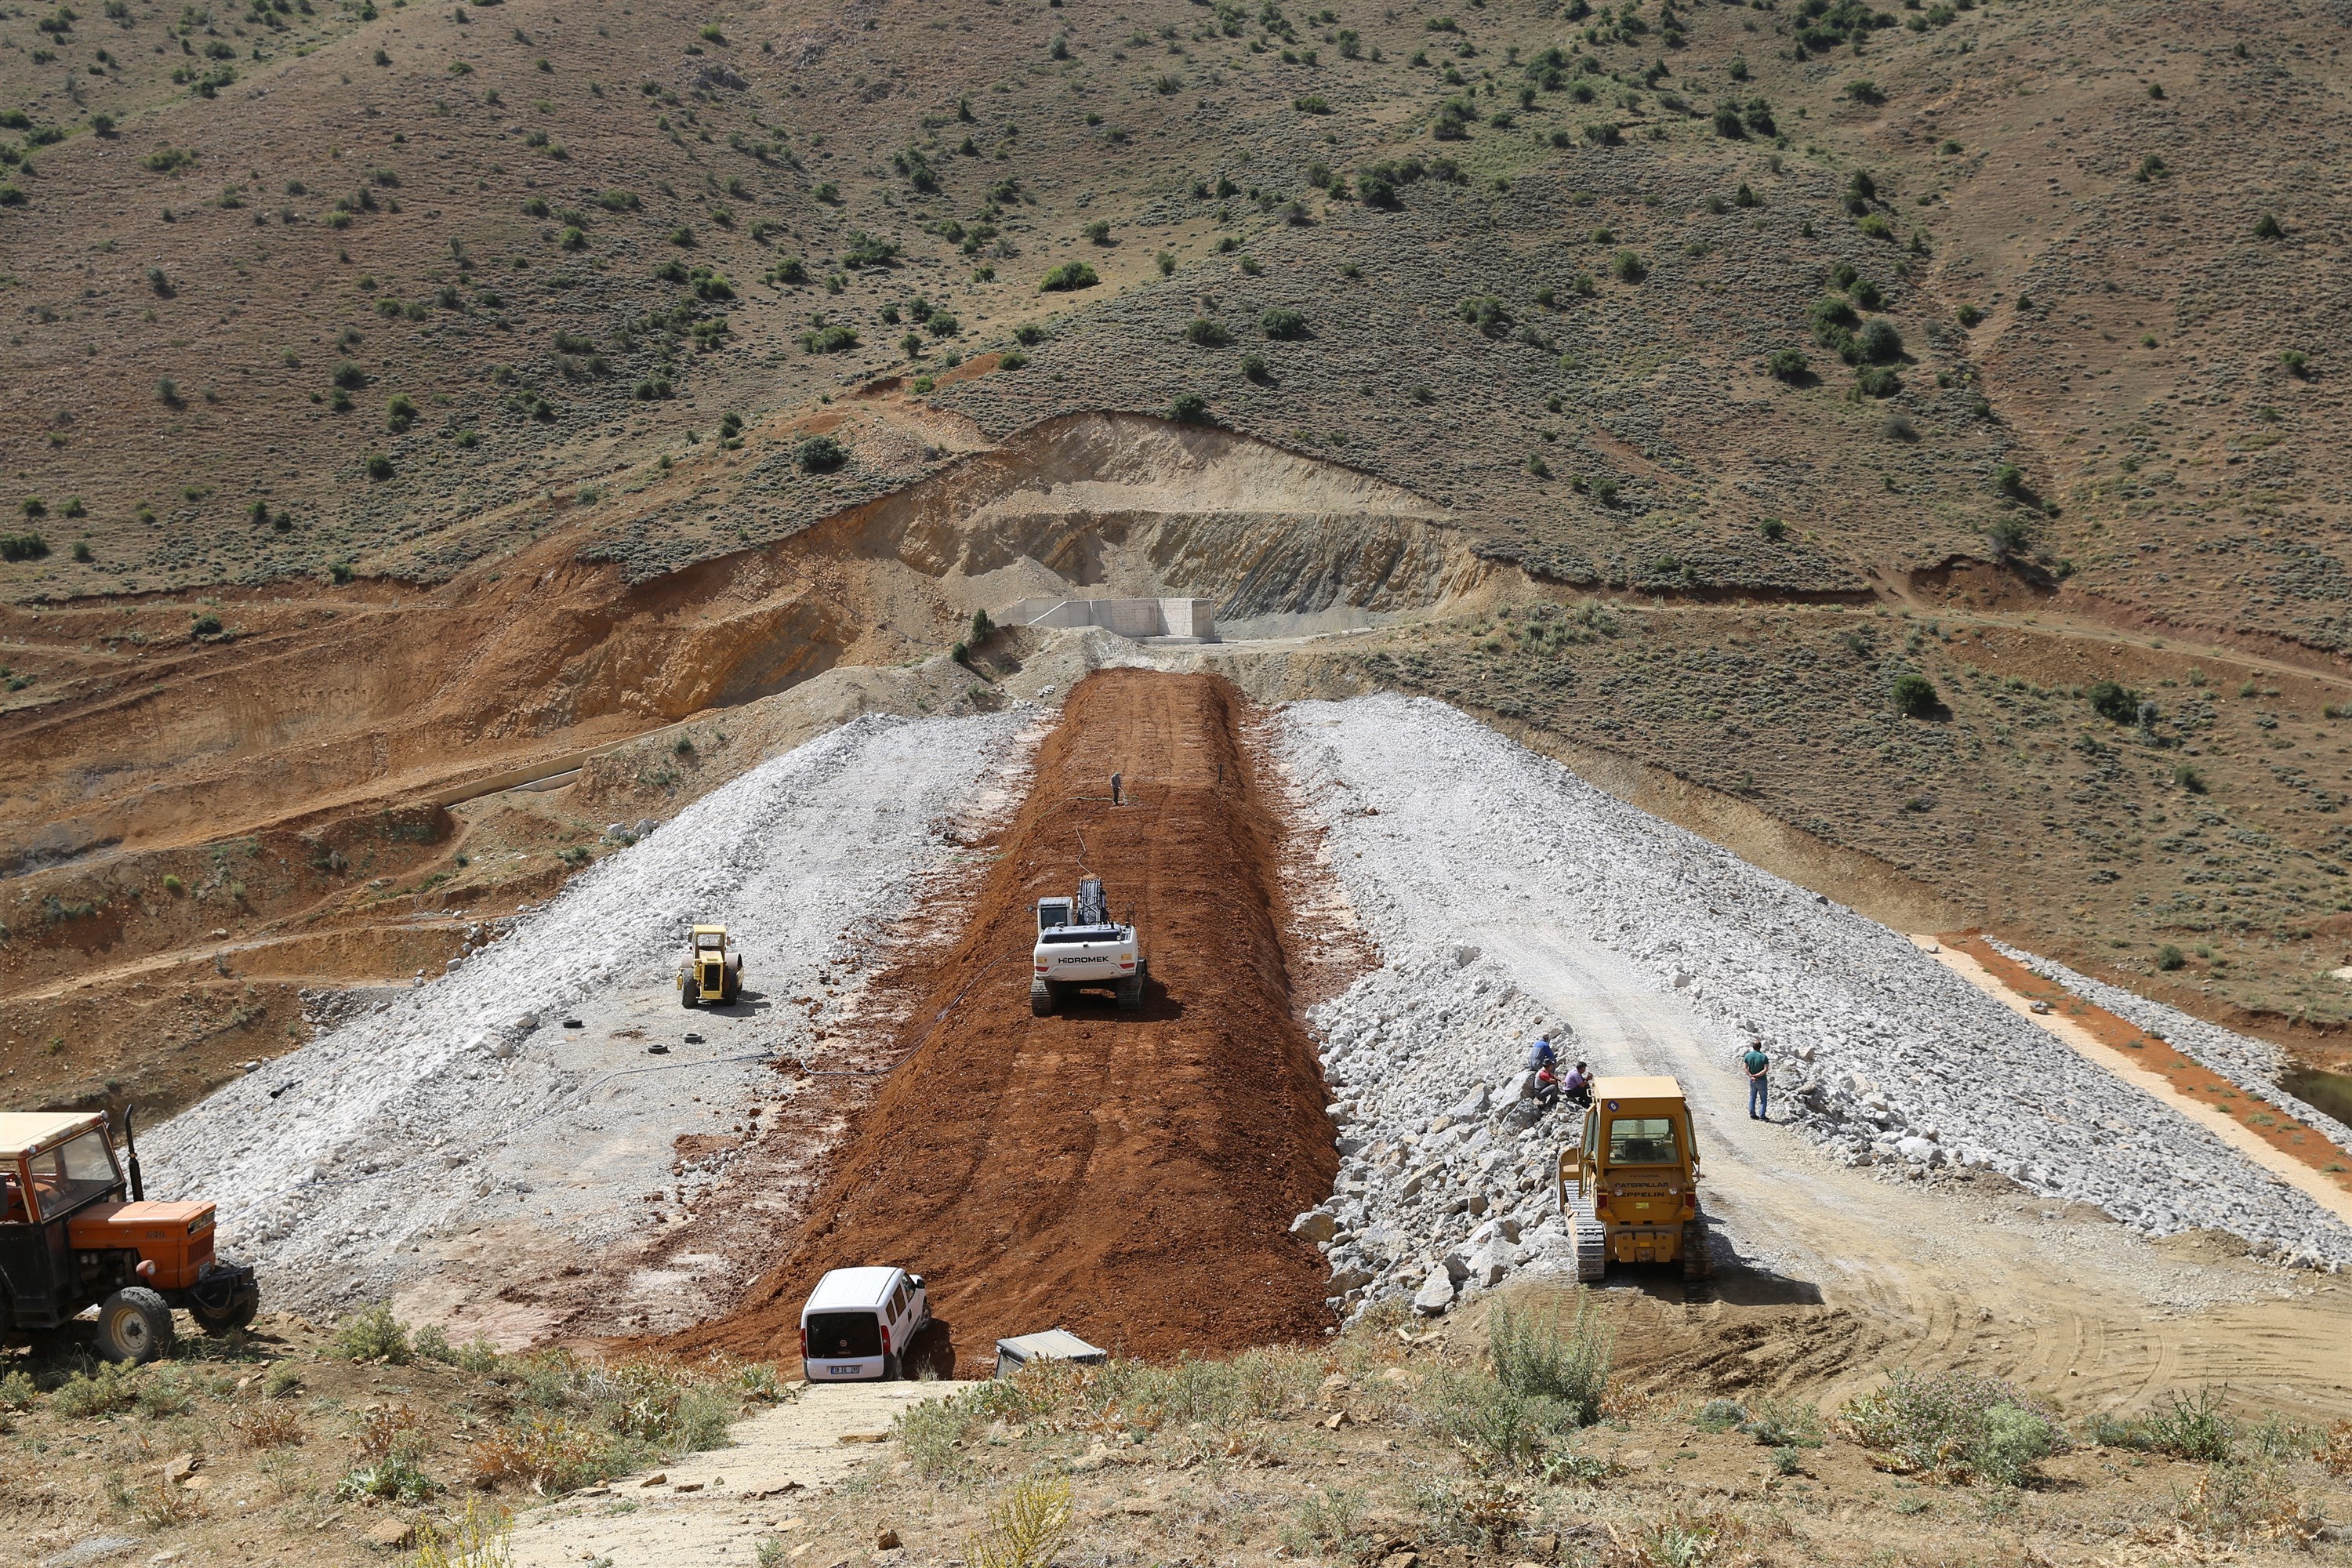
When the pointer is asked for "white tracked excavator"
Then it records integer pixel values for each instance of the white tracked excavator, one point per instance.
(1081, 947)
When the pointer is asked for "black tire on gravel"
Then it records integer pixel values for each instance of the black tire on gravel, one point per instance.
(1041, 998)
(134, 1325)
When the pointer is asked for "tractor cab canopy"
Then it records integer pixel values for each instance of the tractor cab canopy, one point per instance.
(709, 939)
(1052, 912)
(52, 1163)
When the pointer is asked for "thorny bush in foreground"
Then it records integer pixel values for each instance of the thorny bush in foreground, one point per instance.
(1951, 1425)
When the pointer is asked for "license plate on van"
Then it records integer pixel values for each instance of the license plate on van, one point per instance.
(844, 1371)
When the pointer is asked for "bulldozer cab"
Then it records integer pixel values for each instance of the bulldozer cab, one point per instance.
(1631, 1180)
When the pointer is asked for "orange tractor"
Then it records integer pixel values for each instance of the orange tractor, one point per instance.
(75, 1231)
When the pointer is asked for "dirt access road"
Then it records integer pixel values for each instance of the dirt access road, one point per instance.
(1838, 1273)
(1132, 1177)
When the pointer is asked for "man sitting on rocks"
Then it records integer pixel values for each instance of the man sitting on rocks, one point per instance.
(1539, 1055)
(1578, 1087)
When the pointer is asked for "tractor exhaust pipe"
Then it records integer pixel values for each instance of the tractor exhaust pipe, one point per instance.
(130, 1160)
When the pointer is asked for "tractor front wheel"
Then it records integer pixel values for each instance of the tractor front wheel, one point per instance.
(134, 1325)
(686, 992)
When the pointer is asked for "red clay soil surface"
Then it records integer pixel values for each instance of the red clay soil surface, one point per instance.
(2260, 1117)
(1130, 1177)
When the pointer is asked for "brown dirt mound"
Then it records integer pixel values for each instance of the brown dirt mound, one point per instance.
(1130, 1177)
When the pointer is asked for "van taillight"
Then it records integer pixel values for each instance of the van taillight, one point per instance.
(886, 1339)
(803, 1341)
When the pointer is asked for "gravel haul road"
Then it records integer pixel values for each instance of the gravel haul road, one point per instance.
(1130, 1177)
(1957, 1188)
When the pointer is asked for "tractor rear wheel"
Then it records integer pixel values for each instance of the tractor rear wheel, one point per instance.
(686, 992)
(239, 1314)
(134, 1325)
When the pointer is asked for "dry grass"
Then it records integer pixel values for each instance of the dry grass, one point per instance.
(1026, 1527)
(268, 1426)
(541, 1453)
(2335, 1454)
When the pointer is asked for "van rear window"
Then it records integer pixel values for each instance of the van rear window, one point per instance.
(843, 1336)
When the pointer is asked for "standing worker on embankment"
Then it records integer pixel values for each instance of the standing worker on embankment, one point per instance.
(1760, 1070)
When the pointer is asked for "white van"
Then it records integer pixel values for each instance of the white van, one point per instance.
(858, 1323)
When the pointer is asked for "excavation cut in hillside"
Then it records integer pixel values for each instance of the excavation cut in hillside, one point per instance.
(1129, 1176)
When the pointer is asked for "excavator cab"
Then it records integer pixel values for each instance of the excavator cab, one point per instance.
(1629, 1185)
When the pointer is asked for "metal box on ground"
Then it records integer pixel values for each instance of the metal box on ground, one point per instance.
(1053, 1344)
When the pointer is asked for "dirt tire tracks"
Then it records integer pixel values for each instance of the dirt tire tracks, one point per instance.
(1130, 1177)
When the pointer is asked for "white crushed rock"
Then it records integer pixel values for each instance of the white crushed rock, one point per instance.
(1436, 825)
(2254, 1065)
(438, 1111)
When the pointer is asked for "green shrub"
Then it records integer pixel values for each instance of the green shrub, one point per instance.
(1068, 276)
(1012, 359)
(1969, 315)
(1784, 1424)
(1879, 342)
(1629, 266)
(1486, 313)
(820, 455)
(1773, 529)
(1874, 226)
(1189, 408)
(828, 340)
(205, 625)
(1915, 696)
(2267, 226)
(23, 547)
(112, 1386)
(378, 466)
(1536, 1354)
(371, 1334)
(2188, 778)
(1202, 332)
(2191, 1427)
(1789, 364)
(400, 413)
(1951, 1425)
(1499, 1429)
(1254, 367)
(1878, 380)
(2170, 958)
(2116, 704)
(1279, 322)
(2296, 362)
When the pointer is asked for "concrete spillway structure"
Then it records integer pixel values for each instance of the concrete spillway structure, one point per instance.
(1187, 620)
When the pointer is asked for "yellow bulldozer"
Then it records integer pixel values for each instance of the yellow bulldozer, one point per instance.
(712, 971)
(1629, 1186)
